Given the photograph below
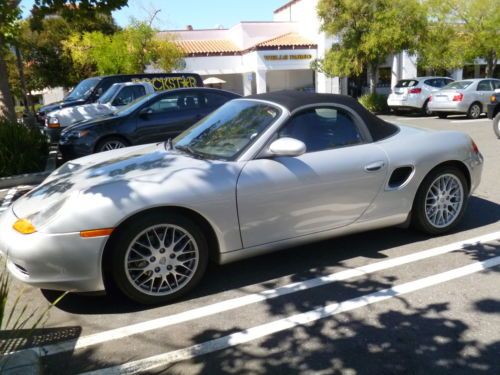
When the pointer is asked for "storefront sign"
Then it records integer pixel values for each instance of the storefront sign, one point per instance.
(168, 83)
(287, 57)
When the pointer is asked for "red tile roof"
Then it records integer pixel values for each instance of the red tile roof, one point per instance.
(287, 40)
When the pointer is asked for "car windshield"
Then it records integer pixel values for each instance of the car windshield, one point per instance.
(461, 85)
(228, 131)
(83, 89)
(133, 105)
(108, 95)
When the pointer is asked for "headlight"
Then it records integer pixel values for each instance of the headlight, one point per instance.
(52, 122)
(76, 134)
(31, 223)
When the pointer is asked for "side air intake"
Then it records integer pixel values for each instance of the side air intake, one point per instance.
(399, 177)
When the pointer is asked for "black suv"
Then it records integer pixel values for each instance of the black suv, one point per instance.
(90, 89)
(493, 111)
(151, 118)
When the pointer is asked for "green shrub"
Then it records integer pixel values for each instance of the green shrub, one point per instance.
(22, 149)
(374, 102)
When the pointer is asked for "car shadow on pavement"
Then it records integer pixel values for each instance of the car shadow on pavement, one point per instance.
(302, 262)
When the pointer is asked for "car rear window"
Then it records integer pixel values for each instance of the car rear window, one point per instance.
(458, 85)
(407, 83)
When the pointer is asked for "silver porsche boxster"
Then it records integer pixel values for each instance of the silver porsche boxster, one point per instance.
(259, 174)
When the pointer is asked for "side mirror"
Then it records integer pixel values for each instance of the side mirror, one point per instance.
(98, 93)
(287, 147)
(145, 112)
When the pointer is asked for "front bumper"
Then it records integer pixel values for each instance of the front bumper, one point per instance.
(75, 148)
(52, 261)
(52, 133)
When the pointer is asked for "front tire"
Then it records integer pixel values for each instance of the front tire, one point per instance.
(496, 124)
(111, 143)
(158, 257)
(474, 111)
(425, 109)
(440, 201)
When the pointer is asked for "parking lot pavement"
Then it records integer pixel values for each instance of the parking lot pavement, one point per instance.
(385, 301)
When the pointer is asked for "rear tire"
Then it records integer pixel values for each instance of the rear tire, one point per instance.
(425, 109)
(158, 257)
(440, 201)
(474, 111)
(442, 115)
(496, 124)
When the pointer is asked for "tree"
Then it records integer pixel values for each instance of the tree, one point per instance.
(9, 14)
(480, 30)
(461, 31)
(130, 50)
(77, 12)
(367, 32)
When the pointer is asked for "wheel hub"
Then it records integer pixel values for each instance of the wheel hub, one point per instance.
(161, 260)
(444, 200)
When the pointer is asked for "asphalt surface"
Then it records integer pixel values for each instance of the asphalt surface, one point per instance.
(396, 302)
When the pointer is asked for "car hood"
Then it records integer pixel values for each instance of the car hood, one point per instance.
(58, 105)
(147, 163)
(71, 115)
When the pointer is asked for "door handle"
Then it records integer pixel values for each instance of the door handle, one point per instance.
(375, 166)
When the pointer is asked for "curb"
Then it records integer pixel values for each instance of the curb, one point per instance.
(31, 178)
(26, 362)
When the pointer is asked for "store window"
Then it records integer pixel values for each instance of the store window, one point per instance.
(384, 77)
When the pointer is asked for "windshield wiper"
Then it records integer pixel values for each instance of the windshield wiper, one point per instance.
(190, 151)
(168, 144)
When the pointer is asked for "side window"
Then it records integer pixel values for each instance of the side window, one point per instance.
(496, 84)
(484, 85)
(433, 82)
(323, 128)
(447, 81)
(124, 97)
(214, 100)
(139, 91)
(176, 102)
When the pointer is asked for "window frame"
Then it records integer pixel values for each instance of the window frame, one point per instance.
(358, 122)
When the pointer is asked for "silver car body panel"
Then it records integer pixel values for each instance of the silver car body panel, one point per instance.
(277, 202)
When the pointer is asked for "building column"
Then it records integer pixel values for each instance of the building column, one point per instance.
(247, 83)
(396, 69)
(457, 74)
(408, 65)
(261, 82)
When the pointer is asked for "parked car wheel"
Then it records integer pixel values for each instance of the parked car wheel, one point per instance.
(158, 257)
(474, 111)
(111, 143)
(440, 201)
(442, 115)
(496, 124)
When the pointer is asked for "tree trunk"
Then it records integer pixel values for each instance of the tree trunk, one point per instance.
(491, 62)
(372, 69)
(6, 101)
(26, 96)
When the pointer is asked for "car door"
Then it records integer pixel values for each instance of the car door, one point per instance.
(168, 115)
(484, 91)
(329, 186)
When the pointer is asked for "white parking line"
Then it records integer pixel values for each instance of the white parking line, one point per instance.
(267, 329)
(216, 308)
(466, 121)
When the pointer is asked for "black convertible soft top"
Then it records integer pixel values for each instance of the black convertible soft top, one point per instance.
(292, 100)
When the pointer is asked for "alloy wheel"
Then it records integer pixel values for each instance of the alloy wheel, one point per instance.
(161, 260)
(112, 145)
(444, 200)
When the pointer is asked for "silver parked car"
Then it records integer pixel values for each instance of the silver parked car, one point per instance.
(412, 95)
(470, 96)
(259, 174)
